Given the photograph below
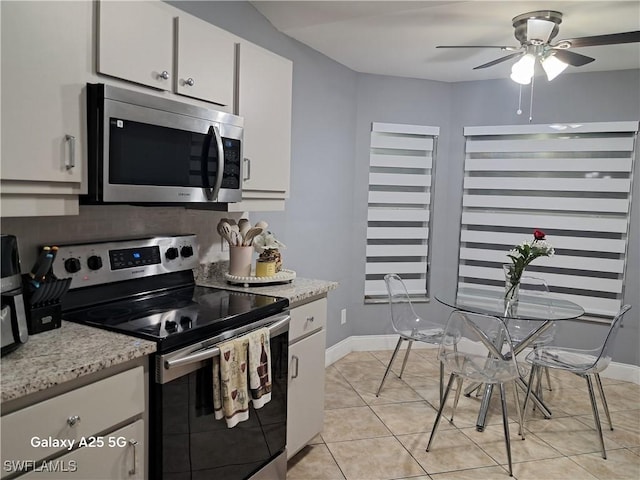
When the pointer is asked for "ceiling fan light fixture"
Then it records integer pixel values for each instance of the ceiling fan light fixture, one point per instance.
(553, 66)
(539, 29)
(522, 71)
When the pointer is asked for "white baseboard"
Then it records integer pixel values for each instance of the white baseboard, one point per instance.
(363, 343)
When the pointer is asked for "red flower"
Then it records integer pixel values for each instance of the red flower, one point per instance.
(538, 234)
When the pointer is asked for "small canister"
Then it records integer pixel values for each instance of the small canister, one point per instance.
(265, 268)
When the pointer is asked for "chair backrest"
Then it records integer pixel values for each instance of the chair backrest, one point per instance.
(403, 316)
(605, 354)
(478, 347)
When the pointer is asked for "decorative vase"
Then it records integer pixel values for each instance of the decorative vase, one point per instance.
(511, 290)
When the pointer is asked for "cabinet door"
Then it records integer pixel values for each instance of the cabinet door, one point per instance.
(205, 61)
(305, 399)
(46, 61)
(121, 457)
(264, 100)
(135, 42)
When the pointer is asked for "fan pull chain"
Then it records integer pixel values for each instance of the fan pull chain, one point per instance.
(531, 101)
(519, 111)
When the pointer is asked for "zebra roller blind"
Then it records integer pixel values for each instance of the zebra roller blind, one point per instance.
(571, 181)
(399, 206)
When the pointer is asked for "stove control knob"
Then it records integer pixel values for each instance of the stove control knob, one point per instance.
(185, 322)
(170, 326)
(94, 262)
(171, 253)
(186, 251)
(72, 265)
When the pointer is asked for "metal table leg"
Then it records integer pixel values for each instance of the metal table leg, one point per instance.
(484, 407)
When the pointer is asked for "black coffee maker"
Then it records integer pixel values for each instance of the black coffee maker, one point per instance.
(13, 328)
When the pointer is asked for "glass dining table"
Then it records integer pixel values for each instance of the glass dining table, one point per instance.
(542, 310)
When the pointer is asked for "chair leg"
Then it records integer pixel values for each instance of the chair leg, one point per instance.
(455, 401)
(604, 399)
(518, 409)
(441, 381)
(596, 416)
(439, 415)
(526, 399)
(406, 357)
(386, 372)
(505, 423)
(546, 371)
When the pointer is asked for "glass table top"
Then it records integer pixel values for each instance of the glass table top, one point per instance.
(528, 306)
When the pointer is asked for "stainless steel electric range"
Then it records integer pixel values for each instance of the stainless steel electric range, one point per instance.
(145, 288)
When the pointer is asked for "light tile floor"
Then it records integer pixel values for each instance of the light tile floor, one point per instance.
(367, 437)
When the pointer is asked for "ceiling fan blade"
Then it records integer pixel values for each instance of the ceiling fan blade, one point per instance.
(501, 47)
(572, 58)
(597, 40)
(499, 60)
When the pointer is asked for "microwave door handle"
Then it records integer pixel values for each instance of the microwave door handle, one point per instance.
(220, 171)
(204, 158)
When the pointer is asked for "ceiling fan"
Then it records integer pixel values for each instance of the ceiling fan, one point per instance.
(535, 31)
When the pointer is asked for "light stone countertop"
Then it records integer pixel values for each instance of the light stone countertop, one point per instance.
(66, 353)
(300, 289)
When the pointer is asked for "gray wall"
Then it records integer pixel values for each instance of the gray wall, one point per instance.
(584, 97)
(325, 219)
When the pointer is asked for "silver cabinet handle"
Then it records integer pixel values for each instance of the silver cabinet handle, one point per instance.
(73, 420)
(72, 151)
(248, 162)
(164, 75)
(190, 81)
(133, 443)
(297, 360)
(311, 318)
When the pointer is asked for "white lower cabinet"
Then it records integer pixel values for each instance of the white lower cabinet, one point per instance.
(94, 431)
(118, 458)
(305, 403)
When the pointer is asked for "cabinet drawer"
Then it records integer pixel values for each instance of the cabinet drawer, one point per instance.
(307, 318)
(116, 462)
(95, 408)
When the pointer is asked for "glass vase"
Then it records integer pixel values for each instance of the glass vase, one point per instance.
(511, 291)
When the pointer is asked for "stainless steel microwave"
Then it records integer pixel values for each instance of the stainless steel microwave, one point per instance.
(145, 149)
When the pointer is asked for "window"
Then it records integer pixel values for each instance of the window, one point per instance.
(401, 162)
(571, 181)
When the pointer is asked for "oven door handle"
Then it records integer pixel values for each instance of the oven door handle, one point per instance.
(275, 329)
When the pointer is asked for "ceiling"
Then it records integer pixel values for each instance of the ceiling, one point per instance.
(399, 37)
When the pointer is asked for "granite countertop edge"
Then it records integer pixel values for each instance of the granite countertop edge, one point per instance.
(296, 291)
(66, 353)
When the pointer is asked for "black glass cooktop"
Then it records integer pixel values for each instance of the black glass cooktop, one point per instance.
(180, 316)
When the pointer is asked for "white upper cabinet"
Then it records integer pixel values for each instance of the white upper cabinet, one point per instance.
(264, 100)
(135, 42)
(205, 61)
(45, 64)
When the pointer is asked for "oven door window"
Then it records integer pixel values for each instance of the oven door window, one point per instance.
(188, 442)
(145, 154)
